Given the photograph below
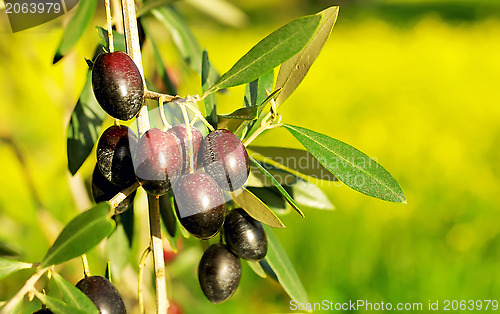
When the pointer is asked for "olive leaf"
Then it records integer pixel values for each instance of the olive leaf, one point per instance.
(283, 268)
(293, 71)
(73, 296)
(270, 52)
(354, 168)
(80, 235)
(8, 266)
(256, 208)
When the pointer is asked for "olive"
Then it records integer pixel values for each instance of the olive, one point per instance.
(103, 190)
(104, 295)
(225, 159)
(244, 235)
(199, 204)
(219, 273)
(118, 85)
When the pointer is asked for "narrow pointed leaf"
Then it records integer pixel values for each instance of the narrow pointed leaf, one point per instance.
(255, 91)
(118, 250)
(293, 71)
(208, 78)
(73, 296)
(245, 113)
(57, 306)
(270, 52)
(76, 27)
(118, 39)
(283, 268)
(280, 188)
(256, 208)
(354, 168)
(8, 267)
(84, 127)
(257, 268)
(80, 235)
(296, 161)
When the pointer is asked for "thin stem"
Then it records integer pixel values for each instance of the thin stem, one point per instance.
(156, 96)
(117, 13)
(134, 51)
(29, 285)
(157, 248)
(110, 28)
(189, 136)
(122, 195)
(142, 264)
(162, 113)
(85, 262)
(200, 116)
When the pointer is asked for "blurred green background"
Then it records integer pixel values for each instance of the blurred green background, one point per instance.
(413, 84)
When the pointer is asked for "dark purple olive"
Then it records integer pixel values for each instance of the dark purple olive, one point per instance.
(219, 273)
(103, 190)
(244, 235)
(104, 295)
(199, 204)
(180, 131)
(118, 85)
(113, 155)
(225, 159)
(157, 161)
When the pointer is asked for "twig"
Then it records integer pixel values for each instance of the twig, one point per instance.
(111, 43)
(122, 195)
(157, 248)
(29, 285)
(142, 264)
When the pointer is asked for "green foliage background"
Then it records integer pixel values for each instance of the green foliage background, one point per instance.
(416, 90)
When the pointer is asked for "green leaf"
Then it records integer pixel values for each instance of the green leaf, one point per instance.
(245, 113)
(272, 197)
(169, 86)
(7, 251)
(270, 52)
(283, 268)
(80, 235)
(183, 38)
(152, 4)
(310, 195)
(75, 28)
(293, 71)
(57, 306)
(8, 267)
(118, 249)
(256, 208)
(299, 162)
(208, 78)
(354, 168)
(255, 266)
(255, 91)
(118, 39)
(280, 188)
(73, 296)
(84, 127)
(169, 220)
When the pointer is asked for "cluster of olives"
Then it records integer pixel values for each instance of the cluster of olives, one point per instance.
(197, 170)
(219, 270)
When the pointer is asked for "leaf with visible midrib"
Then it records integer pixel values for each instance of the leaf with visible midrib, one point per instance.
(8, 267)
(256, 208)
(74, 296)
(75, 28)
(354, 168)
(283, 268)
(270, 52)
(293, 71)
(80, 235)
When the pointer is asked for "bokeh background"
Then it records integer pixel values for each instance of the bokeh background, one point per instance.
(413, 84)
